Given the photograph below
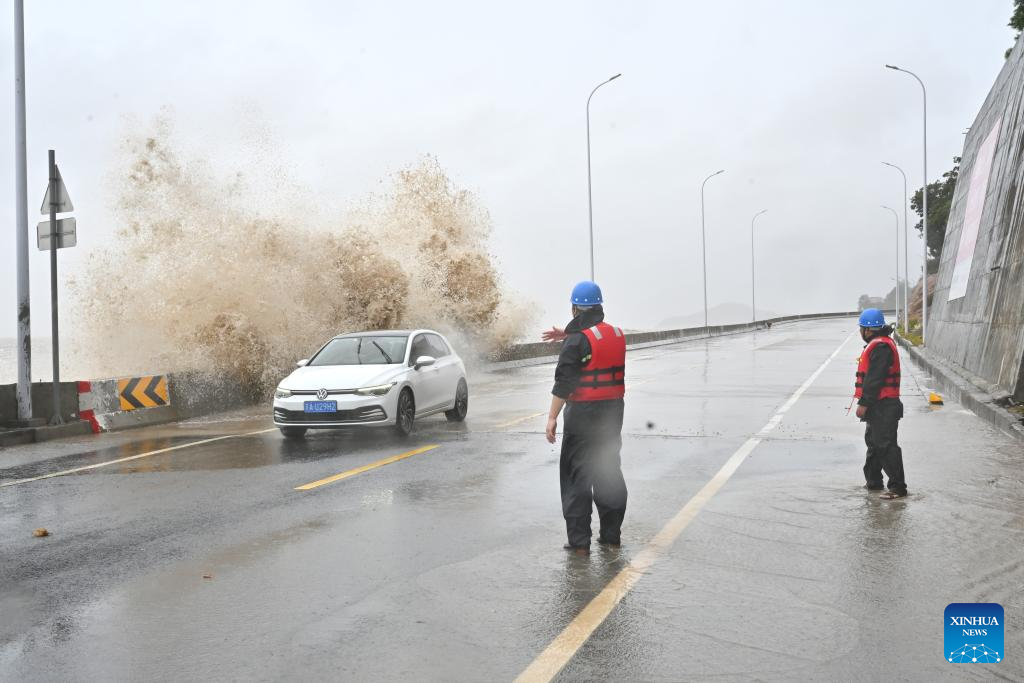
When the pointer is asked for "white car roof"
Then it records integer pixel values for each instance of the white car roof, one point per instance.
(387, 333)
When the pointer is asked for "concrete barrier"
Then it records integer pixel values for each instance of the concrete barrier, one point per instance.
(12, 432)
(42, 402)
(539, 353)
(126, 402)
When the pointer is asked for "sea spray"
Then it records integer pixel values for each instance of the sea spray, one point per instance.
(210, 274)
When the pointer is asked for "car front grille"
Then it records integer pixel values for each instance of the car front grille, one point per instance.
(313, 392)
(355, 416)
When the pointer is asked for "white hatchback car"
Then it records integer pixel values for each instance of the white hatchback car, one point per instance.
(386, 378)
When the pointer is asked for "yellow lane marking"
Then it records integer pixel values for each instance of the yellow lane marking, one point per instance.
(519, 420)
(135, 457)
(364, 468)
(564, 647)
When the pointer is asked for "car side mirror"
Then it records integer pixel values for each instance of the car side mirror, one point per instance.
(424, 362)
(302, 363)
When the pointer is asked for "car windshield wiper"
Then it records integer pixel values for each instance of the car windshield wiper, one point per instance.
(383, 353)
(359, 348)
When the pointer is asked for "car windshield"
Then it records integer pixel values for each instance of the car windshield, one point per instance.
(366, 350)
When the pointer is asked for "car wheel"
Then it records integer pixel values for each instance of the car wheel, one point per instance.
(406, 413)
(293, 432)
(458, 413)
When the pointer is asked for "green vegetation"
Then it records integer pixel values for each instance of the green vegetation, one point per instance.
(914, 337)
(1016, 22)
(940, 200)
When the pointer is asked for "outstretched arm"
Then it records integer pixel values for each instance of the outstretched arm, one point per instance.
(555, 334)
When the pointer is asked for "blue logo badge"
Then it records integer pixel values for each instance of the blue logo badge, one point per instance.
(974, 633)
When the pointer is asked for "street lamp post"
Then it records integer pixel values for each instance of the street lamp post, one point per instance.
(906, 253)
(590, 196)
(704, 246)
(924, 208)
(897, 217)
(753, 300)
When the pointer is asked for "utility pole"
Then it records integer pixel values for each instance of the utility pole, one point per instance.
(24, 335)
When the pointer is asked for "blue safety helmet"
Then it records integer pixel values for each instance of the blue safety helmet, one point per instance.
(872, 317)
(587, 293)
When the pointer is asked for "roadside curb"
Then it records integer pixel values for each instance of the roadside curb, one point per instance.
(26, 435)
(959, 386)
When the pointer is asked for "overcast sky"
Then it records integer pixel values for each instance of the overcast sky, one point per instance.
(791, 98)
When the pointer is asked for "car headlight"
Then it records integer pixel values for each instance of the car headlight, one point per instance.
(378, 390)
(282, 393)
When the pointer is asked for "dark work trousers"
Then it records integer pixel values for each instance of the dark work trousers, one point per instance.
(591, 471)
(884, 453)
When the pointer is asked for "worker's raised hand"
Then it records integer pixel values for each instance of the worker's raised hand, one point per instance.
(550, 430)
(555, 334)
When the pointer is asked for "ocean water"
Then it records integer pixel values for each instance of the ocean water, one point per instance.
(41, 361)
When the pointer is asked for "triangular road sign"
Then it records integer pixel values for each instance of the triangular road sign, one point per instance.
(63, 199)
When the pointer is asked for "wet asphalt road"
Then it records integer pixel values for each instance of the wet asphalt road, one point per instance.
(447, 565)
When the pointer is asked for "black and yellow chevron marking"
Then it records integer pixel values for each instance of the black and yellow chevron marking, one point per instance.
(143, 392)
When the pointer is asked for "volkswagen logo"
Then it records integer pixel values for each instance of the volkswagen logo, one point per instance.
(321, 394)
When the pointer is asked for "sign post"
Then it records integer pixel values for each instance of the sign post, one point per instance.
(54, 235)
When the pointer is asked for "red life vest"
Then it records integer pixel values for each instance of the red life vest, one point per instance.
(891, 388)
(604, 377)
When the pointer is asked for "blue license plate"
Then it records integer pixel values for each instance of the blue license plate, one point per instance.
(320, 406)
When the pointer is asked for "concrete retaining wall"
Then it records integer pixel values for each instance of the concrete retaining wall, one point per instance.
(982, 332)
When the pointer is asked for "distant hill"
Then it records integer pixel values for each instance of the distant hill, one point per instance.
(722, 314)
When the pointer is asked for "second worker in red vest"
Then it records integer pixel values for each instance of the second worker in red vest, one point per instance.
(590, 384)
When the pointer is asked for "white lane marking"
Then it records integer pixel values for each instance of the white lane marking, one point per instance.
(134, 457)
(562, 649)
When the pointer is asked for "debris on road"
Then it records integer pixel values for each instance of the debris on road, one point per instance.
(40, 533)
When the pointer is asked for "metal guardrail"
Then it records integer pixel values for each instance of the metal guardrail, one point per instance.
(545, 349)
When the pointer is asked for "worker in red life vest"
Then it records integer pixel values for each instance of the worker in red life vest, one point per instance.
(590, 385)
(877, 391)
